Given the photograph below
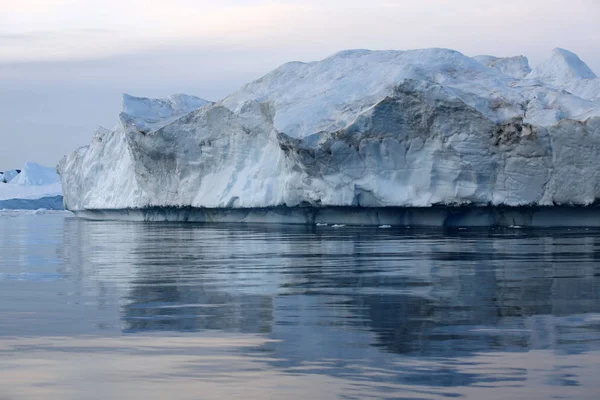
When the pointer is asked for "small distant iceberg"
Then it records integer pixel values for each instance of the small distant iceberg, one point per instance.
(31, 188)
(9, 175)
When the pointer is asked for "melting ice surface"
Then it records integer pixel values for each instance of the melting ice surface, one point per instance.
(152, 310)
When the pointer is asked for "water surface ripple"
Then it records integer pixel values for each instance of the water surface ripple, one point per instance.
(185, 311)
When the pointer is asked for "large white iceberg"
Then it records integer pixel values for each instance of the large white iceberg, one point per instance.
(369, 129)
(35, 186)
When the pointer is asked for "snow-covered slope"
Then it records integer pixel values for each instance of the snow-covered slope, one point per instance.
(360, 128)
(35, 186)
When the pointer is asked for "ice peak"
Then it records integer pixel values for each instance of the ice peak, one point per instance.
(36, 175)
(149, 114)
(186, 102)
(563, 66)
(134, 105)
(353, 53)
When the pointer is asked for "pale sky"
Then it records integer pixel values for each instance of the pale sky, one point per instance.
(65, 63)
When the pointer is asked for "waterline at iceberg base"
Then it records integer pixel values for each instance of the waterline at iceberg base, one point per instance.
(438, 216)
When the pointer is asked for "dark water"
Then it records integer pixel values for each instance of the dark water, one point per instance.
(95, 310)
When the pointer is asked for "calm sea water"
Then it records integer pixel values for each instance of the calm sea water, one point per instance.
(97, 310)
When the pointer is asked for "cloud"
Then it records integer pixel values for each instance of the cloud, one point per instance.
(32, 6)
(21, 37)
(88, 30)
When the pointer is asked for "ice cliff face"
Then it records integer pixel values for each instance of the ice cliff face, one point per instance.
(360, 128)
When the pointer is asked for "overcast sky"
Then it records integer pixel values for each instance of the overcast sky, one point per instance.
(65, 63)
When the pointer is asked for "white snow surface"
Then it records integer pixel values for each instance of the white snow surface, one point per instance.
(360, 128)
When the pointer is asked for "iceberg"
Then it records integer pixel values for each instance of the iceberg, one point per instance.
(33, 187)
(9, 175)
(418, 137)
(36, 175)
